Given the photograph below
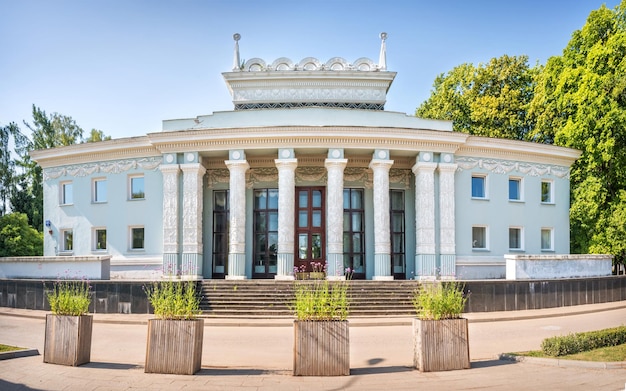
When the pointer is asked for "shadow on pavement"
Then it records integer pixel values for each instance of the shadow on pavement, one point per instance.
(110, 365)
(379, 370)
(491, 363)
(8, 386)
(239, 372)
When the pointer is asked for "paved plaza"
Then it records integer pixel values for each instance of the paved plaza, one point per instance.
(256, 354)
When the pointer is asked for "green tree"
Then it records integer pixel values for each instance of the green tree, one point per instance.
(96, 135)
(488, 100)
(17, 238)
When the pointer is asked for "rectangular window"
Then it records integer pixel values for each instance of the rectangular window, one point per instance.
(67, 195)
(516, 239)
(479, 188)
(546, 239)
(354, 232)
(220, 233)
(99, 239)
(136, 238)
(99, 190)
(265, 252)
(67, 236)
(546, 192)
(479, 238)
(397, 225)
(136, 187)
(515, 189)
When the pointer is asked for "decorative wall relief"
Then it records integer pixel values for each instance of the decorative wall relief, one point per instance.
(507, 166)
(109, 167)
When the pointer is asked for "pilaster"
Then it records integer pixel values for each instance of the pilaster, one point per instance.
(335, 165)
(425, 255)
(447, 223)
(380, 166)
(286, 200)
(237, 165)
(171, 208)
(191, 263)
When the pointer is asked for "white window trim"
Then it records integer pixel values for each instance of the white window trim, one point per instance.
(130, 187)
(551, 249)
(94, 240)
(130, 238)
(62, 243)
(521, 239)
(93, 190)
(521, 189)
(486, 185)
(551, 182)
(62, 193)
(486, 248)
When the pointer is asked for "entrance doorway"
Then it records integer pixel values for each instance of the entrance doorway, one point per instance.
(310, 229)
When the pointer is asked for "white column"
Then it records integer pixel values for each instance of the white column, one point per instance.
(170, 174)
(447, 228)
(425, 254)
(191, 263)
(335, 165)
(286, 200)
(237, 200)
(380, 165)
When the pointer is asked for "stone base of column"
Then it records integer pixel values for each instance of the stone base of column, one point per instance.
(382, 278)
(188, 277)
(448, 266)
(425, 266)
(279, 277)
(170, 264)
(382, 266)
(191, 264)
(335, 266)
(236, 266)
(285, 266)
(336, 278)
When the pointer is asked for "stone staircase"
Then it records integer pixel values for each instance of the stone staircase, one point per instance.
(272, 299)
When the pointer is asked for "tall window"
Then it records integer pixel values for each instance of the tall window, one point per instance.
(265, 232)
(220, 233)
(547, 235)
(67, 195)
(99, 190)
(547, 196)
(398, 263)
(479, 237)
(67, 236)
(354, 232)
(479, 186)
(136, 187)
(137, 238)
(516, 239)
(100, 239)
(515, 189)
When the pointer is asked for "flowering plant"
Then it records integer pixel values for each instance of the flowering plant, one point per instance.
(174, 300)
(69, 297)
(319, 267)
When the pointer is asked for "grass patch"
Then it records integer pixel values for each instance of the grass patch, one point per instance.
(606, 354)
(8, 348)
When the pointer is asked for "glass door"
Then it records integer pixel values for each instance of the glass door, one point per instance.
(310, 228)
(265, 233)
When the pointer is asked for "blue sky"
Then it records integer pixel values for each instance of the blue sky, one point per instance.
(123, 66)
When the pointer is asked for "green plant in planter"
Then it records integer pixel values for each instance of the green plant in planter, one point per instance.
(321, 300)
(174, 299)
(69, 297)
(439, 300)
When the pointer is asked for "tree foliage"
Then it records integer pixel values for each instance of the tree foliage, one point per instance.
(17, 238)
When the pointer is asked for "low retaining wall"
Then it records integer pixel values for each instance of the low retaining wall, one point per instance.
(88, 267)
(541, 267)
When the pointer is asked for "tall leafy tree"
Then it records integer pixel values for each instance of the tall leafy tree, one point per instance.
(17, 238)
(488, 100)
(96, 135)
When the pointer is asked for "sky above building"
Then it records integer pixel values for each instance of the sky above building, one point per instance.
(123, 66)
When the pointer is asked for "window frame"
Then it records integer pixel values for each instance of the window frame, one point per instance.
(63, 186)
(94, 190)
(64, 247)
(520, 239)
(550, 193)
(551, 248)
(131, 230)
(520, 189)
(485, 195)
(94, 238)
(486, 234)
(130, 187)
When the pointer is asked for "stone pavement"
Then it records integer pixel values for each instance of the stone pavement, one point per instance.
(256, 354)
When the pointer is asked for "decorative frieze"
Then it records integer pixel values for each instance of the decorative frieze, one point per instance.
(108, 167)
(506, 166)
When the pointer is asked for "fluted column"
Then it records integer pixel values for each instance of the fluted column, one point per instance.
(381, 165)
(447, 228)
(171, 249)
(335, 165)
(286, 201)
(425, 254)
(237, 193)
(191, 263)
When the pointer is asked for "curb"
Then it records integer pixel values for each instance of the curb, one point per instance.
(557, 362)
(19, 353)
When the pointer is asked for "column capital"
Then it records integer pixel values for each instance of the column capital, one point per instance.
(338, 163)
(447, 167)
(237, 164)
(190, 167)
(286, 163)
(423, 167)
(380, 164)
(169, 168)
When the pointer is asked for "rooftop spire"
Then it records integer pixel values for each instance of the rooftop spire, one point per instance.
(236, 60)
(382, 59)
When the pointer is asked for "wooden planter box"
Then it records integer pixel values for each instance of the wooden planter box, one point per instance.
(67, 339)
(321, 348)
(174, 346)
(440, 345)
(317, 275)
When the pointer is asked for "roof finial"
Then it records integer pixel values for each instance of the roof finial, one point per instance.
(382, 59)
(236, 60)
